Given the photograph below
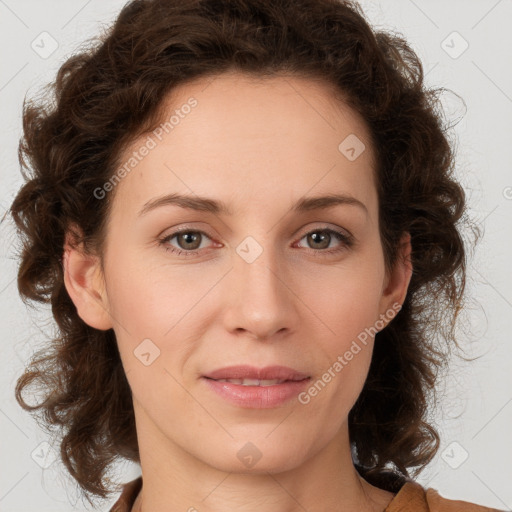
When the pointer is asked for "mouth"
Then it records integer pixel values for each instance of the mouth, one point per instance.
(257, 382)
(252, 388)
(251, 376)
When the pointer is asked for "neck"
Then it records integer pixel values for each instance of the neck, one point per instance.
(173, 479)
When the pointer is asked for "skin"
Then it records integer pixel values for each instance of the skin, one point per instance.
(258, 146)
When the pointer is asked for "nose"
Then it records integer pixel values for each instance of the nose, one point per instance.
(259, 298)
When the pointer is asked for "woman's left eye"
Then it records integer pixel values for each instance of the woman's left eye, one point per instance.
(190, 241)
(324, 241)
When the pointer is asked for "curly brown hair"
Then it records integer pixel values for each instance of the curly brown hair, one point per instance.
(110, 93)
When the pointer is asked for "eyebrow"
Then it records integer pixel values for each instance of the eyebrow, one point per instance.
(206, 204)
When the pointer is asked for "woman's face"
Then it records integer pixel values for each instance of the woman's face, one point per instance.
(265, 283)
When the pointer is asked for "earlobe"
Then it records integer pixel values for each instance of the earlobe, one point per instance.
(397, 284)
(83, 278)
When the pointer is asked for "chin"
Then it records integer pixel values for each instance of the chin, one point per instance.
(258, 457)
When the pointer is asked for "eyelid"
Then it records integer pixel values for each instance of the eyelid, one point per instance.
(183, 228)
(162, 239)
(329, 227)
(324, 226)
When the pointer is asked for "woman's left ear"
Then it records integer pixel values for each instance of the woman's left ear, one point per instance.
(397, 283)
(85, 284)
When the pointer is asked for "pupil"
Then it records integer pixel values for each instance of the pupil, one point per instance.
(186, 237)
(316, 237)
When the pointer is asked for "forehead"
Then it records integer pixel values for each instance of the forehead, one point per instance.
(236, 106)
(251, 138)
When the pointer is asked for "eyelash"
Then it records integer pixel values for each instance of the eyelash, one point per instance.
(347, 242)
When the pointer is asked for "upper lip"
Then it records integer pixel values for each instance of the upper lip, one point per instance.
(251, 372)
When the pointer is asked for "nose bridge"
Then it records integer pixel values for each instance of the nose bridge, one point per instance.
(261, 303)
(256, 267)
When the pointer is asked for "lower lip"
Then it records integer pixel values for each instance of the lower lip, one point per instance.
(257, 397)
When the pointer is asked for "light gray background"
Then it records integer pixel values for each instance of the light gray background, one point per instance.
(475, 414)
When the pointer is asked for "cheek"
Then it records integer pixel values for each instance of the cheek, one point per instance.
(345, 307)
(345, 298)
(148, 300)
(160, 312)
(345, 355)
(149, 307)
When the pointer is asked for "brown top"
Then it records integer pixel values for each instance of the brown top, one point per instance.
(412, 497)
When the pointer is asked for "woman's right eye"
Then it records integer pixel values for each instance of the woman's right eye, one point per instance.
(188, 239)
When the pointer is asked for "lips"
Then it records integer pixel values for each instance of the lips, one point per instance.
(256, 388)
(250, 375)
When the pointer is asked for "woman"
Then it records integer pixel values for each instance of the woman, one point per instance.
(245, 219)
